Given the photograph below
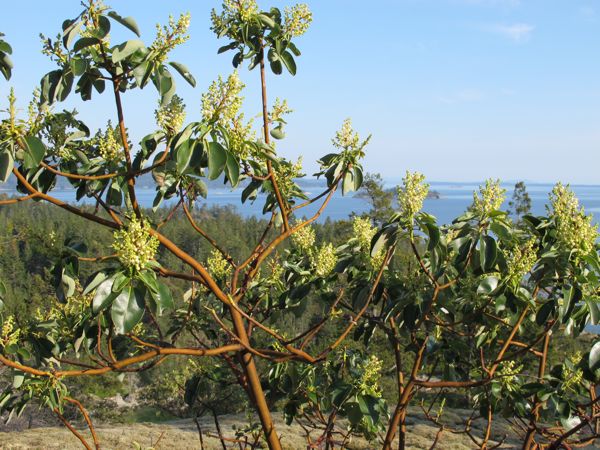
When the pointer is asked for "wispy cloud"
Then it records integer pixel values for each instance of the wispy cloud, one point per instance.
(517, 32)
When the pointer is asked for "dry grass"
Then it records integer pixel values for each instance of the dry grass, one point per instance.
(183, 434)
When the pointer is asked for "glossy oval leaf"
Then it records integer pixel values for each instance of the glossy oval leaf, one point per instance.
(184, 72)
(128, 309)
(6, 166)
(34, 152)
(217, 158)
(127, 22)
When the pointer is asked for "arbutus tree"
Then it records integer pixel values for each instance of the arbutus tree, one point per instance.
(470, 308)
(127, 294)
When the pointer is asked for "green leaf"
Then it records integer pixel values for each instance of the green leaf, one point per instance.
(164, 83)
(126, 49)
(127, 22)
(114, 196)
(128, 309)
(232, 167)
(184, 72)
(433, 232)
(5, 47)
(149, 279)
(70, 32)
(183, 155)
(34, 152)
(384, 239)
(94, 282)
(594, 359)
(84, 43)
(544, 312)
(162, 297)
(192, 390)
(6, 65)
(18, 380)
(103, 28)
(217, 158)
(266, 20)
(104, 296)
(358, 178)
(571, 297)
(276, 67)
(354, 413)
(487, 286)
(488, 252)
(2, 295)
(594, 309)
(6, 166)
(78, 66)
(277, 132)
(347, 183)
(288, 61)
(142, 73)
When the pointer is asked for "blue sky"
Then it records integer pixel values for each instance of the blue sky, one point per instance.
(457, 89)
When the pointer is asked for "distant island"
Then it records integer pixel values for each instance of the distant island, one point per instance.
(431, 195)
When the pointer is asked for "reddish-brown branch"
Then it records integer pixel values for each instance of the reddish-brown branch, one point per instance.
(203, 233)
(122, 363)
(87, 419)
(76, 433)
(12, 201)
(280, 200)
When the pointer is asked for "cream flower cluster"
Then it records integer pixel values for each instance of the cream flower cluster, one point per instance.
(285, 174)
(246, 9)
(371, 374)
(239, 133)
(412, 194)
(325, 260)
(363, 231)
(297, 19)
(521, 260)
(171, 117)
(109, 147)
(574, 229)
(346, 137)
(280, 108)
(171, 35)
(9, 334)
(134, 244)
(508, 375)
(222, 102)
(490, 197)
(217, 265)
(304, 238)
(572, 378)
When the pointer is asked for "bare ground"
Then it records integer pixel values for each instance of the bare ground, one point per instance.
(183, 434)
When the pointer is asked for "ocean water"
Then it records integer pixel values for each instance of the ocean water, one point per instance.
(455, 199)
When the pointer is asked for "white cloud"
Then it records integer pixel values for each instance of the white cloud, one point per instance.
(518, 32)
